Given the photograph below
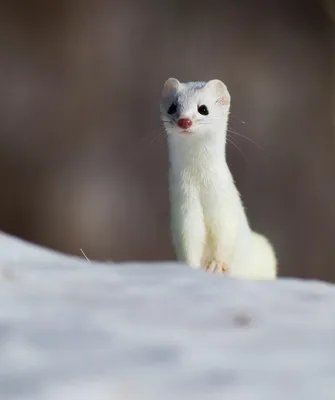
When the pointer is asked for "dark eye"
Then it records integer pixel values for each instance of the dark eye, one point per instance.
(203, 110)
(172, 109)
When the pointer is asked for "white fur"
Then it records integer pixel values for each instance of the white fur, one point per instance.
(208, 221)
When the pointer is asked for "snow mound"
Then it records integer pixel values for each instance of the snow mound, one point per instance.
(70, 329)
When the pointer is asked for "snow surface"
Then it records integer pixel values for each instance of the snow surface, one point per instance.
(70, 329)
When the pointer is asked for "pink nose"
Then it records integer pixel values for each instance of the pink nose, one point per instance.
(184, 123)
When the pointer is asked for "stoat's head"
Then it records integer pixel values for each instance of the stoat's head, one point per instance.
(194, 108)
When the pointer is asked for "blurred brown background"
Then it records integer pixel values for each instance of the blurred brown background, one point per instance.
(81, 161)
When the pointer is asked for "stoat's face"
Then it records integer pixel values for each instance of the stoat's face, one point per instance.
(194, 108)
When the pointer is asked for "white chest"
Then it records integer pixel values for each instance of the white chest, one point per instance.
(199, 172)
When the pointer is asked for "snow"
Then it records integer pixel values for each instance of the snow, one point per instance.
(70, 329)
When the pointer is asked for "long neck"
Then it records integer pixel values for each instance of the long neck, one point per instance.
(204, 151)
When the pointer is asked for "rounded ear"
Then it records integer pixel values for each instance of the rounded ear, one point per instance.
(170, 86)
(220, 89)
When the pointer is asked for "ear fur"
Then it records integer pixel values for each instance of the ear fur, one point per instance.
(170, 86)
(220, 89)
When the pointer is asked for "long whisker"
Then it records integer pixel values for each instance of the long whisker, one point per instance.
(160, 134)
(244, 137)
(152, 135)
(229, 140)
(229, 129)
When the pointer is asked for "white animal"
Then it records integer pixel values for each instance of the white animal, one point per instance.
(209, 226)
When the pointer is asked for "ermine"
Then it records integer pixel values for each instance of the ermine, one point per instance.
(209, 225)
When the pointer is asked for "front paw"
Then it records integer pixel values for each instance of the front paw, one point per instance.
(215, 267)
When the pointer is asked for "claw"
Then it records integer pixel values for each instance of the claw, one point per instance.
(215, 267)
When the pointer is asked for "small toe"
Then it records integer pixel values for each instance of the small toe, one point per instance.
(215, 267)
(211, 266)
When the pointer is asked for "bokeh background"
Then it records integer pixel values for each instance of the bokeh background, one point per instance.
(83, 162)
